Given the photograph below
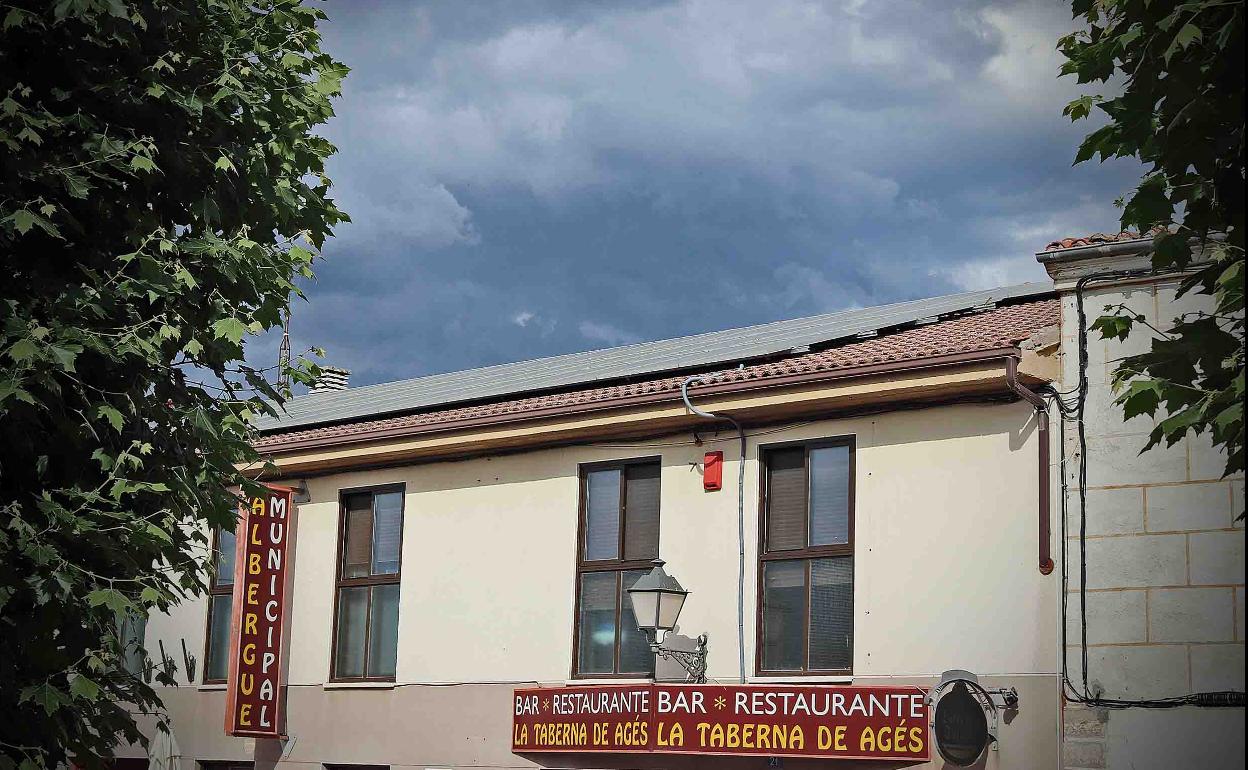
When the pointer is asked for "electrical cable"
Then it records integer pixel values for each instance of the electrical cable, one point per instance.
(684, 394)
(1222, 699)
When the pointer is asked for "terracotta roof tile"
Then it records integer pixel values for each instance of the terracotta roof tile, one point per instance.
(1096, 239)
(988, 330)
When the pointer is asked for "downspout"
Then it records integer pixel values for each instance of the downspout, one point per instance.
(1042, 426)
(684, 394)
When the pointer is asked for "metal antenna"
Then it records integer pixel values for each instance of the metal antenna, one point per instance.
(283, 353)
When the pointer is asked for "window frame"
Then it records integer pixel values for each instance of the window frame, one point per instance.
(617, 565)
(806, 555)
(215, 590)
(367, 581)
(225, 764)
(125, 618)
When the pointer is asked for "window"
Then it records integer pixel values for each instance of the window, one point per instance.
(220, 607)
(131, 629)
(366, 613)
(806, 561)
(619, 538)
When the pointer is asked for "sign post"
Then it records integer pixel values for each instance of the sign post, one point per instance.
(841, 722)
(256, 687)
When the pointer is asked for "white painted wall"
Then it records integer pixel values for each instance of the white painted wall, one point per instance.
(945, 572)
(945, 576)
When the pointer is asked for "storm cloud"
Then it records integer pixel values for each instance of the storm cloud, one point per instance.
(527, 179)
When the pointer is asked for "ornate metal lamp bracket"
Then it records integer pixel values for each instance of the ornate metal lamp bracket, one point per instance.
(692, 661)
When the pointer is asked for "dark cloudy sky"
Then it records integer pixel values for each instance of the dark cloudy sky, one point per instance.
(531, 178)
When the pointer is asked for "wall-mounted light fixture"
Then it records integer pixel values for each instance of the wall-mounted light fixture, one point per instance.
(964, 717)
(657, 599)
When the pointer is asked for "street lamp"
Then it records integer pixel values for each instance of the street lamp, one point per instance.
(657, 599)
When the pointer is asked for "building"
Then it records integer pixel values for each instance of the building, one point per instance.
(464, 535)
(1164, 549)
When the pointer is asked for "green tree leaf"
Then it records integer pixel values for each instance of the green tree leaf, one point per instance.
(112, 415)
(230, 328)
(82, 687)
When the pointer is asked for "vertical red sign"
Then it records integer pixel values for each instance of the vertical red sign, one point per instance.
(255, 690)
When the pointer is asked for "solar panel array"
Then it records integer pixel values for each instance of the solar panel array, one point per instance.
(698, 351)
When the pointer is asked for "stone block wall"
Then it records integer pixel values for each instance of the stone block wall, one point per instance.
(1165, 566)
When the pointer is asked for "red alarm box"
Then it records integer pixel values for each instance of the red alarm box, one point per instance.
(713, 471)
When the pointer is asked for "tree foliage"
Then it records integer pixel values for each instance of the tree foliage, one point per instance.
(160, 191)
(1181, 111)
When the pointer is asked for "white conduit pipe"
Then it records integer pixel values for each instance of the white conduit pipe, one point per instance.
(684, 394)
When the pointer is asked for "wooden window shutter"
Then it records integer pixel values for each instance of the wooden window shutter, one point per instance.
(786, 500)
(641, 506)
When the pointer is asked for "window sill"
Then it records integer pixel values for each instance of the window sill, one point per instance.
(800, 679)
(212, 686)
(358, 685)
(609, 680)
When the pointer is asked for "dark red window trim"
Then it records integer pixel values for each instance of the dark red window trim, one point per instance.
(618, 565)
(341, 582)
(799, 554)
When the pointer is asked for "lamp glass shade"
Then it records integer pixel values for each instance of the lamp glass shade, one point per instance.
(669, 609)
(657, 598)
(645, 608)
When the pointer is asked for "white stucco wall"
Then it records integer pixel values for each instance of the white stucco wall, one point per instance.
(945, 573)
(490, 547)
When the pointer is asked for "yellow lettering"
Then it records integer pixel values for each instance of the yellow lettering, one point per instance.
(884, 739)
(251, 593)
(253, 563)
(797, 738)
(838, 741)
(249, 657)
(249, 623)
(866, 741)
(747, 736)
(247, 682)
(244, 715)
(717, 736)
(257, 506)
(255, 538)
(916, 740)
(764, 737)
(824, 738)
(702, 728)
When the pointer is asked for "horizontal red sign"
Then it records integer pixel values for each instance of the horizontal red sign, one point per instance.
(748, 720)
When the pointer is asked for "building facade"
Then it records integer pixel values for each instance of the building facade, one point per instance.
(1160, 538)
(462, 536)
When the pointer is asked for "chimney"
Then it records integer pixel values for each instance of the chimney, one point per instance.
(332, 378)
